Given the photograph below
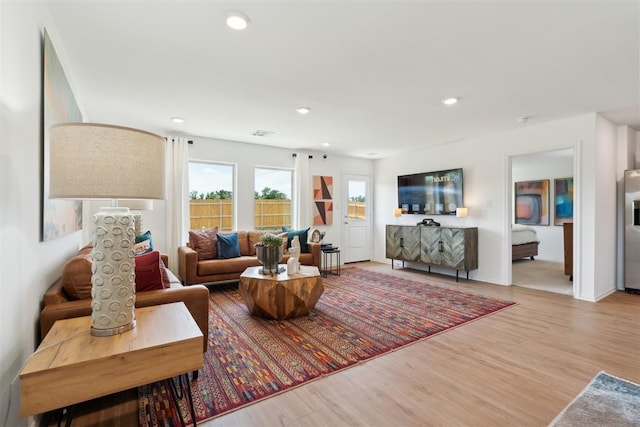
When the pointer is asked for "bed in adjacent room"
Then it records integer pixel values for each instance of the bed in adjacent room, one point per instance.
(524, 241)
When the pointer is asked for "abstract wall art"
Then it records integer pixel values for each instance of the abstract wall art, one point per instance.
(59, 217)
(563, 200)
(322, 200)
(532, 202)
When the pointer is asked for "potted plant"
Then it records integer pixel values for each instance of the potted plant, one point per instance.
(269, 252)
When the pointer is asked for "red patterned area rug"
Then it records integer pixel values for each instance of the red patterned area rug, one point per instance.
(361, 314)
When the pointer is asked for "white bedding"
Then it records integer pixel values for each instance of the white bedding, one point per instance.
(521, 234)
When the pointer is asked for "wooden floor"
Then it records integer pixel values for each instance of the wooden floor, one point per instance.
(517, 367)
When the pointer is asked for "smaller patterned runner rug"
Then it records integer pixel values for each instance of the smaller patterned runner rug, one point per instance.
(605, 401)
(361, 314)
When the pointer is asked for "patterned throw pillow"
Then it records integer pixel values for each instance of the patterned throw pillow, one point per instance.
(144, 244)
(204, 243)
(228, 246)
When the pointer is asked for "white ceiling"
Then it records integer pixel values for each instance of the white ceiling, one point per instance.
(373, 72)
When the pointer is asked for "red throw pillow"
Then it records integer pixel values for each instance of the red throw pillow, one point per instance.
(149, 272)
(204, 243)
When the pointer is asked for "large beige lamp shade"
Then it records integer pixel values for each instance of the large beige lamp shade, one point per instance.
(96, 161)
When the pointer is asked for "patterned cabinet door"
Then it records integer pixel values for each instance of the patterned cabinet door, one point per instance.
(453, 248)
(403, 242)
(460, 248)
(393, 242)
(430, 238)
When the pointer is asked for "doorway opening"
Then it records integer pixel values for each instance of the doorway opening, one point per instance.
(542, 201)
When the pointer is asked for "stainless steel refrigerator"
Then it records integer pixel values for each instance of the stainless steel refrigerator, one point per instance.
(632, 229)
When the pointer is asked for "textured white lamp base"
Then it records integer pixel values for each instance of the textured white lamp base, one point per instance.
(113, 275)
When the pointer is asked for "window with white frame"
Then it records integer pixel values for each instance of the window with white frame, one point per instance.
(211, 195)
(273, 198)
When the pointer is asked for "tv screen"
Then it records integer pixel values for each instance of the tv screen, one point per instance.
(431, 193)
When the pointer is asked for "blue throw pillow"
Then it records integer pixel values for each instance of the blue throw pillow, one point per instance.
(144, 244)
(302, 237)
(228, 246)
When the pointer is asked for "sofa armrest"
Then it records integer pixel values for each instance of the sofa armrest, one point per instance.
(314, 248)
(196, 298)
(187, 265)
(55, 294)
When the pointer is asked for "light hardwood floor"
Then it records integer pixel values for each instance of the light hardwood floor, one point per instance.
(517, 367)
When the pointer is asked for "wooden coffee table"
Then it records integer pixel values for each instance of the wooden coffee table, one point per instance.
(283, 295)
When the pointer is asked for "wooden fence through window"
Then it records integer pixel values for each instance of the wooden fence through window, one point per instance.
(269, 214)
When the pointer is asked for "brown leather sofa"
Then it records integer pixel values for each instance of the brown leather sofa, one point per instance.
(59, 305)
(211, 271)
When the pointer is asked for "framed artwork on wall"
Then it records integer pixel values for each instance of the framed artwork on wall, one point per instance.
(532, 202)
(59, 217)
(322, 187)
(563, 200)
(322, 212)
(322, 200)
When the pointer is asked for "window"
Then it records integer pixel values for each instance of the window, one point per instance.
(273, 189)
(357, 208)
(211, 195)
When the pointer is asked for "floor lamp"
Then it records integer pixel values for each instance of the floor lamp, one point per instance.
(95, 161)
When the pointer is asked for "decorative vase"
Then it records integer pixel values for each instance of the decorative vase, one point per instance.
(269, 257)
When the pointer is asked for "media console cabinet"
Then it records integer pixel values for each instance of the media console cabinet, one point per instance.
(450, 247)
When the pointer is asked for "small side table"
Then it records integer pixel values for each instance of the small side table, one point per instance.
(328, 255)
(71, 365)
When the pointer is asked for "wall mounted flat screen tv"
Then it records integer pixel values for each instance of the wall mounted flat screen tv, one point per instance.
(431, 193)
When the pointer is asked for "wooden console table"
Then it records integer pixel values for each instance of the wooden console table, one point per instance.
(72, 366)
(450, 247)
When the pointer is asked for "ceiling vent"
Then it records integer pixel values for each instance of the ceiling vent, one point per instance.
(263, 133)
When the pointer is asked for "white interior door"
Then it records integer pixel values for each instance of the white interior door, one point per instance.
(356, 228)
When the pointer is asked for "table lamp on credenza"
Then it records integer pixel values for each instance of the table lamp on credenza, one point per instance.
(462, 213)
(95, 161)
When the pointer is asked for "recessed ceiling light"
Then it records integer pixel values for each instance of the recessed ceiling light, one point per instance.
(523, 119)
(177, 119)
(237, 21)
(449, 101)
(326, 144)
(303, 110)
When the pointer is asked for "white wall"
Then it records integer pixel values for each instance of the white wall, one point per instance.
(548, 165)
(28, 266)
(487, 187)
